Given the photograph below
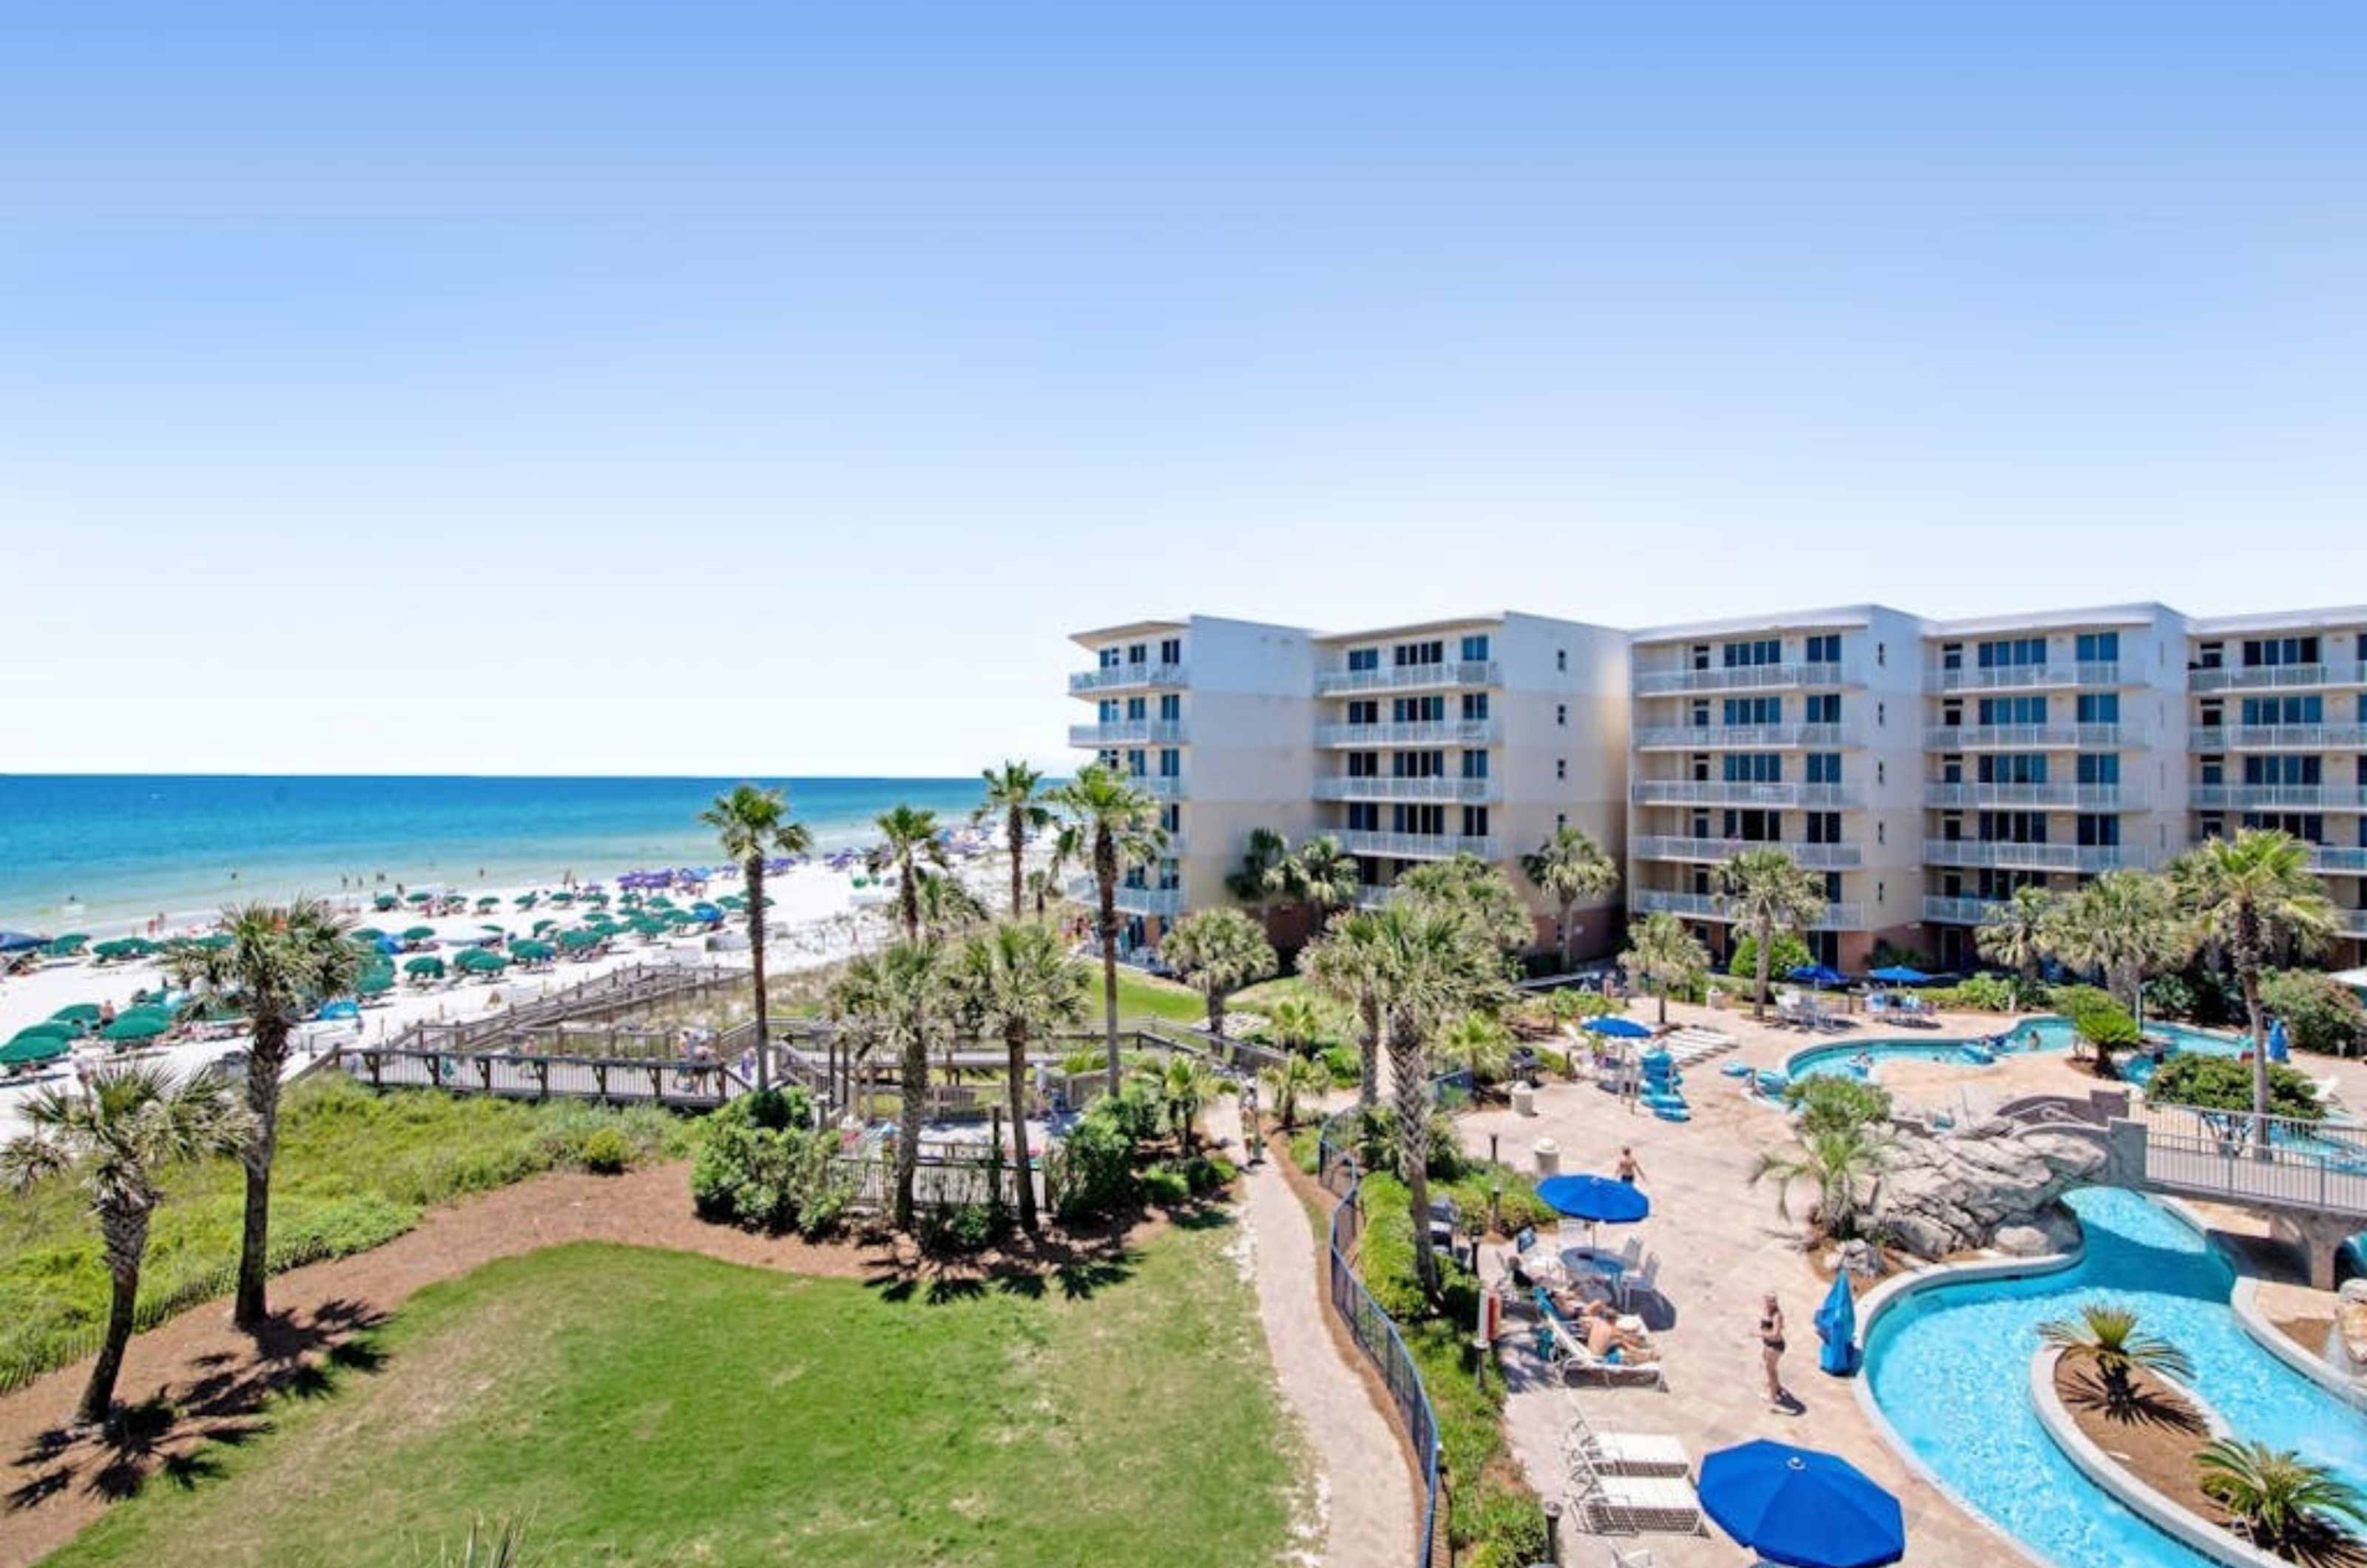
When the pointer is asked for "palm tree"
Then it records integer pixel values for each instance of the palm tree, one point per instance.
(1435, 964)
(1665, 953)
(1476, 892)
(1112, 824)
(1263, 875)
(2254, 899)
(2105, 1335)
(1297, 1024)
(908, 837)
(2020, 933)
(1182, 1085)
(2286, 1504)
(1217, 952)
(1843, 1165)
(753, 824)
(2126, 925)
(948, 908)
(1766, 895)
(1013, 793)
(279, 965)
(118, 1140)
(902, 998)
(1479, 1044)
(1326, 878)
(1017, 983)
(1347, 964)
(1570, 869)
(1292, 1081)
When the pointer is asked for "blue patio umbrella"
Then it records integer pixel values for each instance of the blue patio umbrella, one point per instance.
(1837, 1326)
(1597, 1200)
(1614, 1027)
(1816, 974)
(1899, 975)
(17, 942)
(1802, 1507)
(2280, 1048)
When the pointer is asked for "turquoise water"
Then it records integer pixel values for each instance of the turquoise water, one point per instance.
(2053, 1035)
(125, 847)
(1950, 1369)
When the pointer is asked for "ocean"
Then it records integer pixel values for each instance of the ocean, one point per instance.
(87, 853)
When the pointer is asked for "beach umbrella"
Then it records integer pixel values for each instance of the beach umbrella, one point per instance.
(20, 941)
(419, 933)
(139, 1023)
(335, 1011)
(1802, 1507)
(65, 946)
(480, 961)
(427, 964)
(422, 897)
(50, 1029)
(544, 924)
(525, 900)
(1837, 1326)
(1613, 1027)
(497, 930)
(531, 952)
(374, 983)
(1597, 1200)
(1900, 975)
(76, 1013)
(2279, 1047)
(707, 912)
(384, 901)
(1816, 974)
(576, 939)
(488, 902)
(365, 933)
(28, 1048)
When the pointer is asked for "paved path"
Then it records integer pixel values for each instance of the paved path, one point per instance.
(1365, 1486)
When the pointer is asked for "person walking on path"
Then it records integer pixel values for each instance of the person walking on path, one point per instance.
(1771, 1354)
(1627, 1169)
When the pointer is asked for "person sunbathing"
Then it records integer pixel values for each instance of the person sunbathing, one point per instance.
(1609, 1342)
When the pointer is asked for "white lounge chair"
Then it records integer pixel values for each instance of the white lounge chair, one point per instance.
(1632, 1504)
(1571, 1354)
(1621, 1453)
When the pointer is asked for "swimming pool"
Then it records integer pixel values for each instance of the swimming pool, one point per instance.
(2053, 1035)
(1949, 1368)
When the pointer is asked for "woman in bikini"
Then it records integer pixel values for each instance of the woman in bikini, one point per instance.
(1771, 1351)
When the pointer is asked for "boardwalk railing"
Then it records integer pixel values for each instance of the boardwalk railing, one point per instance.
(618, 991)
(2302, 1165)
(682, 1085)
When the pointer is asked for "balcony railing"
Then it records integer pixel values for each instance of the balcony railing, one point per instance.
(1745, 736)
(1163, 901)
(1706, 906)
(2026, 677)
(2019, 736)
(1737, 678)
(1425, 732)
(2062, 796)
(2354, 923)
(2279, 797)
(1959, 912)
(1159, 787)
(2026, 857)
(1470, 791)
(1402, 677)
(1715, 792)
(1117, 675)
(2241, 678)
(2280, 738)
(1814, 857)
(1419, 846)
(2342, 861)
(1128, 732)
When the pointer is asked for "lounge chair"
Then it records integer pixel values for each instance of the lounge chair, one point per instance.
(1621, 1453)
(1604, 1502)
(1567, 1351)
(1647, 1279)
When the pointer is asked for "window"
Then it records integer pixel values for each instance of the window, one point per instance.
(2011, 768)
(1475, 705)
(1429, 820)
(1824, 649)
(1138, 763)
(2011, 710)
(2285, 710)
(1137, 709)
(1562, 767)
(1364, 764)
(1475, 764)
(2210, 656)
(1951, 656)
(1106, 710)
(1363, 816)
(1754, 767)
(1364, 710)
(1824, 767)
(2100, 767)
(1171, 763)
(1475, 821)
(1137, 653)
(1418, 710)
(1412, 655)
(2097, 648)
(2099, 832)
(1561, 713)
(1171, 875)
(1823, 827)
(1754, 710)
(1474, 649)
(1417, 764)
(2099, 707)
(1171, 708)
(1755, 652)
(1171, 650)
(2277, 650)
(2214, 771)
(1832, 888)
(2011, 653)
(1825, 707)
(1170, 819)
(1561, 657)
(2283, 770)
(1364, 659)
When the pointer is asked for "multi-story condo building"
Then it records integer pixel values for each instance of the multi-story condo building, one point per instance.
(1802, 731)
(2055, 749)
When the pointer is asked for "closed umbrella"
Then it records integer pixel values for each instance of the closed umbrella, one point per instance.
(1802, 1507)
(1837, 1326)
(2279, 1047)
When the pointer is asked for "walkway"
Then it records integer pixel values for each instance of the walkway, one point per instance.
(1365, 1485)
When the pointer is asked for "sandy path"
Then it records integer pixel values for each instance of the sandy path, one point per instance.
(1363, 1481)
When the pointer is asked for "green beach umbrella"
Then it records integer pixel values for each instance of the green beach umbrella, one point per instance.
(577, 940)
(76, 1012)
(385, 901)
(480, 961)
(531, 952)
(525, 900)
(374, 983)
(427, 964)
(65, 946)
(139, 1023)
(563, 897)
(365, 933)
(544, 924)
(25, 1050)
(419, 933)
(50, 1030)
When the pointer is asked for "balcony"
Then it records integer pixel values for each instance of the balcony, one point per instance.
(1706, 906)
(2026, 857)
(1737, 678)
(1408, 677)
(1959, 912)
(2281, 738)
(1158, 786)
(1744, 736)
(2028, 677)
(1165, 902)
(2059, 797)
(1696, 792)
(1470, 792)
(2019, 736)
(1115, 676)
(2279, 797)
(2354, 923)
(2277, 677)
(1418, 846)
(1128, 732)
(2341, 862)
(1430, 732)
(1814, 857)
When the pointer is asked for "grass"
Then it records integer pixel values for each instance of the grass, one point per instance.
(636, 1407)
(355, 1170)
(1262, 996)
(1141, 995)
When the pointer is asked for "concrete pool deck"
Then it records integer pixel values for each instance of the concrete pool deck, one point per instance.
(1722, 1245)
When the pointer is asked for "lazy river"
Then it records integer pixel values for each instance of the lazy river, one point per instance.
(2027, 1036)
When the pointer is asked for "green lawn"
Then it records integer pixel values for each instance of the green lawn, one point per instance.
(355, 1170)
(1262, 996)
(1141, 995)
(644, 1407)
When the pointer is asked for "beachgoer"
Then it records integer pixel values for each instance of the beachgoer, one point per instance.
(106, 1014)
(1771, 1351)
(1627, 1170)
(1612, 1343)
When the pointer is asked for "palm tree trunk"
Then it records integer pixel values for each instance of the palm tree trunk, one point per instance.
(752, 879)
(1368, 1047)
(1217, 1013)
(125, 1242)
(1568, 944)
(1017, 1040)
(2248, 971)
(915, 1089)
(1105, 878)
(1662, 990)
(1014, 832)
(908, 896)
(1766, 956)
(248, 1311)
(1412, 1097)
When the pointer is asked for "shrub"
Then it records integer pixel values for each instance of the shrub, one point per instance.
(1791, 954)
(2222, 1083)
(1090, 1174)
(759, 1166)
(1575, 1004)
(2170, 996)
(2069, 999)
(958, 1232)
(1509, 1526)
(606, 1152)
(1204, 1174)
(2320, 1012)
(1985, 993)
(1166, 1186)
(1345, 1064)
(1832, 1103)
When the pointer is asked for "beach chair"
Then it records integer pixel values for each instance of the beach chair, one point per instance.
(1567, 1352)
(1605, 1502)
(1621, 1453)
(1647, 1279)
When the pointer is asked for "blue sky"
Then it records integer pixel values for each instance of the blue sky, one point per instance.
(767, 388)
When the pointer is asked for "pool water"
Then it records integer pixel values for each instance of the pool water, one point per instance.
(2053, 1035)
(1949, 1368)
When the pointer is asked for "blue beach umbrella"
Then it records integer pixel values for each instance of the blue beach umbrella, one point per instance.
(2280, 1048)
(1597, 1200)
(1899, 975)
(1837, 1326)
(1802, 1507)
(1816, 974)
(1613, 1027)
(17, 942)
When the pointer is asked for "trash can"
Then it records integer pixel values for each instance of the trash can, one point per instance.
(1548, 1158)
(1524, 1100)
